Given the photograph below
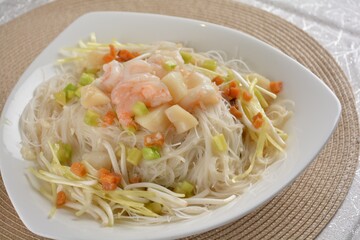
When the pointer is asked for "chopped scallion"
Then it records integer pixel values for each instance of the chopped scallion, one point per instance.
(140, 109)
(185, 187)
(209, 64)
(186, 56)
(63, 152)
(86, 79)
(91, 118)
(60, 97)
(134, 156)
(219, 143)
(169, 65)
(150, 153)
(154, 206)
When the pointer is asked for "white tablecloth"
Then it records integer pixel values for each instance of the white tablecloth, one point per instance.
(336, 26)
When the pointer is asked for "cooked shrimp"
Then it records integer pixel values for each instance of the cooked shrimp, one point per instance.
(112, 75)
(141, 87)
(115, 72)
(158, 59)
(135, 67)
(202, 95)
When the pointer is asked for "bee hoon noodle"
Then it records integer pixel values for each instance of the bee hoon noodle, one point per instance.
(151, 133)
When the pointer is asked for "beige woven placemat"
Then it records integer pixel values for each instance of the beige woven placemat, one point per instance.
(302, 210)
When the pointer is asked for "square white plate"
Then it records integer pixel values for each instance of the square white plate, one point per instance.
(317, 111)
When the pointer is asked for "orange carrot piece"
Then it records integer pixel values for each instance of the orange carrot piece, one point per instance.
(234, 92)
(135, 179)
(102, 172)
(246, 96)
(78, 169)
(109, 118)
(276, 87)
(218, 80)
(154, 140)
(232, 84)
(231, 91)
(109, 186)
(108, 58)
(226, 93)
(112, 54)
(108, 180)
(258, 120)
(125, 55)
(234, 111)
(60, 198)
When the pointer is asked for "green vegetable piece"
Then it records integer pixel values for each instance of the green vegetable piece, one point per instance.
(70, 87)
(219, 143)
(70, 91)
(86, 79)
(92, 71)
(70, 94)
(140, 109)
(91, 118)
(186, 56)
(185, 187)
(150, 153)
(63, 152)
(154, 206)
(209, 64)
(60, 97)
(134, 156)
(78, 92)
(169, 65)
(131, 129)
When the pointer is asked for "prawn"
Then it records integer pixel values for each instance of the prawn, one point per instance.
(201, 95)
(115, 72)
(158, 59)
(112, 75)
(135, 67)
(146, 88)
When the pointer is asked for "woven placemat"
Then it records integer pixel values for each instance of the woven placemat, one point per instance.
(302, 210)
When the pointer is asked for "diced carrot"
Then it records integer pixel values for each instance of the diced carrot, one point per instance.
(109, 186)
(108, 58)
(154, 140)
(135, 179)
(246, 96)
(276, 87)
(234, 92)
(218, 80)
(60, 198)
(78, 169)
(102, 172)
(108, 180)
(232, 84)
(226, 93)
(125, 55)
(231, 91)
(112, 54)
(258, 120)
(234, 111)
(108, 118)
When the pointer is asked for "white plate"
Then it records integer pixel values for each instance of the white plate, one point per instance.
(316, 110)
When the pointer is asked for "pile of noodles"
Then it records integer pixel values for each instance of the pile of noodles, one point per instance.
(218, 178)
